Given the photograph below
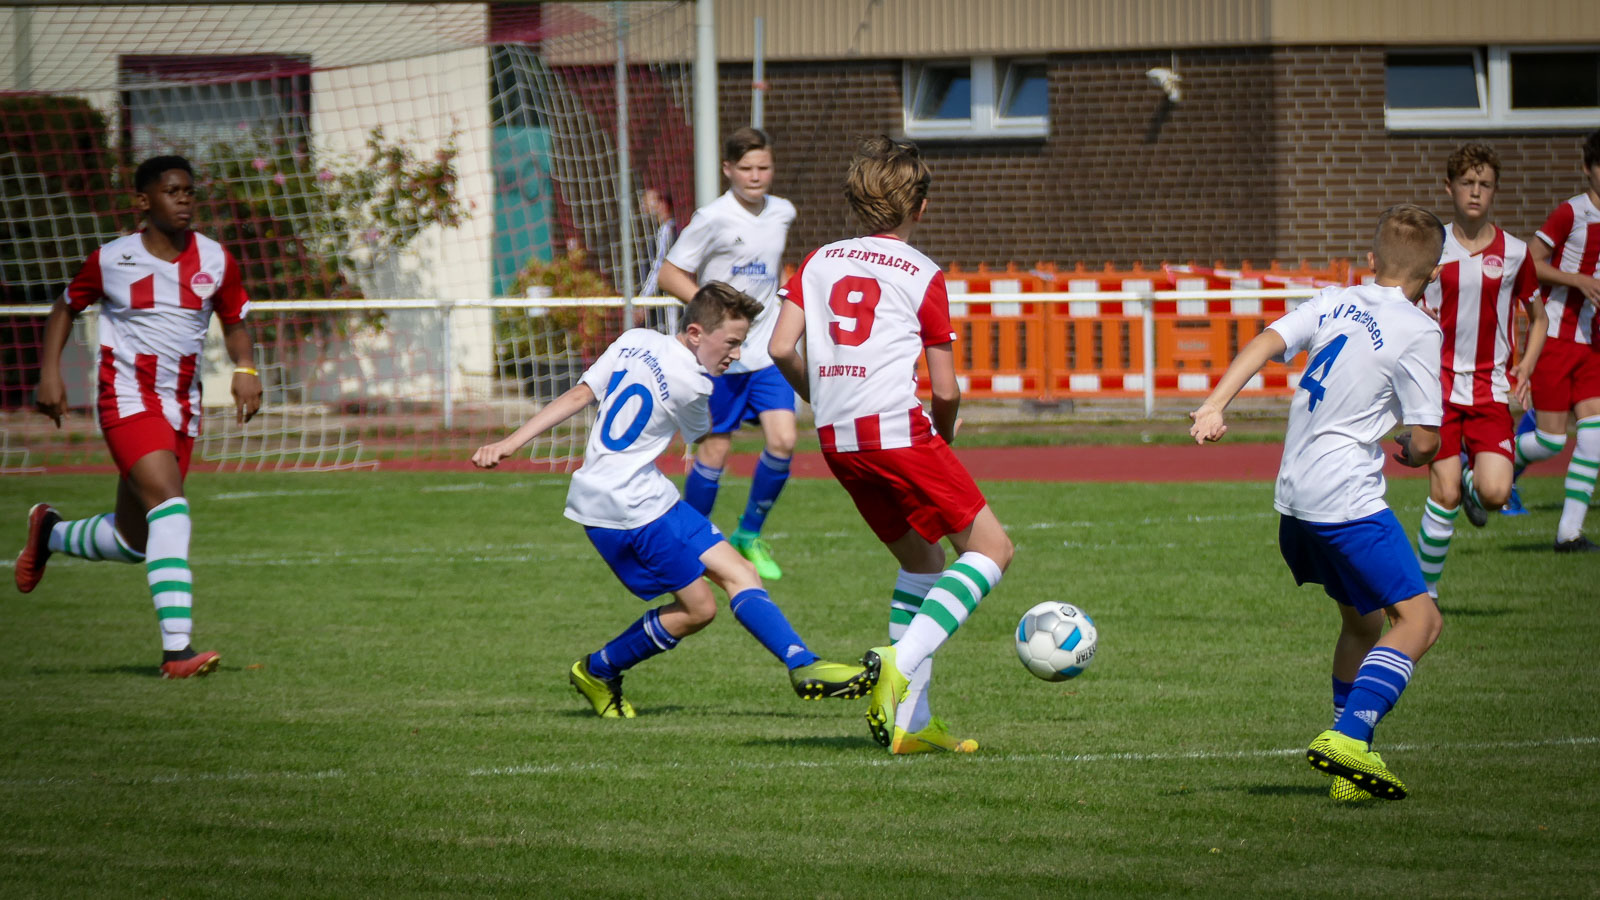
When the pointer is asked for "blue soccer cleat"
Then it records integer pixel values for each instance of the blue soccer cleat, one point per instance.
(1514, 505)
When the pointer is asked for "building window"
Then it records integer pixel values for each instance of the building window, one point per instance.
(191, 104)
(1492, 88)
(982, 97)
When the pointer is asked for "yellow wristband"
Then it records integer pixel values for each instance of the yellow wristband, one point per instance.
(245, 370)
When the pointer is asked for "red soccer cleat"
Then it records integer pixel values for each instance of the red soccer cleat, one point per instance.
(196, 666)
(30, 562)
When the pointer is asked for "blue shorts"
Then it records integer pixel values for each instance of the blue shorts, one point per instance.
(661, 557)
(740, 397)
(1367, 564)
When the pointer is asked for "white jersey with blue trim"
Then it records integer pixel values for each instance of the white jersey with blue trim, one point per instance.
(649, 386)
(726, 243)
(1373, 361)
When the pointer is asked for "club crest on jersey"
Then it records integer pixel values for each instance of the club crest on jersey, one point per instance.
(203, 285)
(1493, 266)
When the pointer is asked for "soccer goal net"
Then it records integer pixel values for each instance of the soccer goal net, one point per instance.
(415, 193)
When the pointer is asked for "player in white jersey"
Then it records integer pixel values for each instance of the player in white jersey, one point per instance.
(157, 290)
(1484, 274)
(739, 238)
(651, 386)
(1567, 254)
(1374, 360)
(867, 308)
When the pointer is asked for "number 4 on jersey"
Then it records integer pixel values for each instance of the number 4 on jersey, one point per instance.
(1323, 361)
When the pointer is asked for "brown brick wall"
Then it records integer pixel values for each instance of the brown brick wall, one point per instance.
(1274, 153)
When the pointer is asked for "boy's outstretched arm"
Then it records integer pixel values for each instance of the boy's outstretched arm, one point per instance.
(1208, 422)
(555, 412)
(784, 349)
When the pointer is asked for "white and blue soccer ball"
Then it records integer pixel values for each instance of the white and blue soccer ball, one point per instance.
(1056, 640)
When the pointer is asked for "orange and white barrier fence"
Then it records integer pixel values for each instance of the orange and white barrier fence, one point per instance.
(1044, 334)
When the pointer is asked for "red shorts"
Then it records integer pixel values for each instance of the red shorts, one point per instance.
(923, 487)
(1475, 429)
(132, 439)
(1567, 374)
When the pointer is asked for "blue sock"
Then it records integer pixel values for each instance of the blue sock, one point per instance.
(763, 619)
(637, 643)
(1383, 676)
(1524, 425)
(1341, 696)
(772, 473)
(700, 488)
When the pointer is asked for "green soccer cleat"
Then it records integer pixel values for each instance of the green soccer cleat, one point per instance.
(759, 552)
(830, 680)
(887, 692)
(934, 738)
(1341, 755)
(605, 695)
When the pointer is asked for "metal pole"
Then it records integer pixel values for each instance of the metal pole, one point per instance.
(22, 48)
(707, 157)
(758, 87)
(624, 167)
(1149, 302)
(447, 309)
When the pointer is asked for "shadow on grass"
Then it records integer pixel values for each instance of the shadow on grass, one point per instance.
(1545, 547)
(147, 671)
(1287, 790)
(832, 743)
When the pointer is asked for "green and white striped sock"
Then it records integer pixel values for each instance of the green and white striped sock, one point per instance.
(909, 590)
(1532, 446)
(1433, 542)
(954, 596)
(1581, 475)
(167, 569)
(94, 538)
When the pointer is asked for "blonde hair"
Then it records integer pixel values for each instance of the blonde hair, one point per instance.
(715, 303)
(887, 182)
(1408, 242)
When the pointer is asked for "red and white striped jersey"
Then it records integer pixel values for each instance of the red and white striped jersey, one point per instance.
(1474, 296)
(872, 304)
(153, 320)
(1573, 233)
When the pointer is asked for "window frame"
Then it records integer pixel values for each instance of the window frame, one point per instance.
(990, 80)
(1494, 94)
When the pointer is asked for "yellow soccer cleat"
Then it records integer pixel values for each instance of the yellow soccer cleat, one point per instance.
(934, 738)
(1343, 756)
(887, 692)
(605, 695)
(830, 680)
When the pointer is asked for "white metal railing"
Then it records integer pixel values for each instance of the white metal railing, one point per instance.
(1144, 300)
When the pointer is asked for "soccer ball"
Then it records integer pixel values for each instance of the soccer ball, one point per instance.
(1056, 641)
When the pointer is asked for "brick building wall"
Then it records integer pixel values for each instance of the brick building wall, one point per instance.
(1273, 153)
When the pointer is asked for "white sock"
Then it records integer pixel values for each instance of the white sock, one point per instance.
(1535, 445)
(167, 569)
(1581, 474)
(913, 712)
(93, 538)
(954, 596)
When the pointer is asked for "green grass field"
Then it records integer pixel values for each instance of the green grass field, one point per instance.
(392, 716)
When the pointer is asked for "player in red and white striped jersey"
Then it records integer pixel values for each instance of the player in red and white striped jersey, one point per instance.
(1567, 254)
(1483, 273)
(867, 308)
(157, 290)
